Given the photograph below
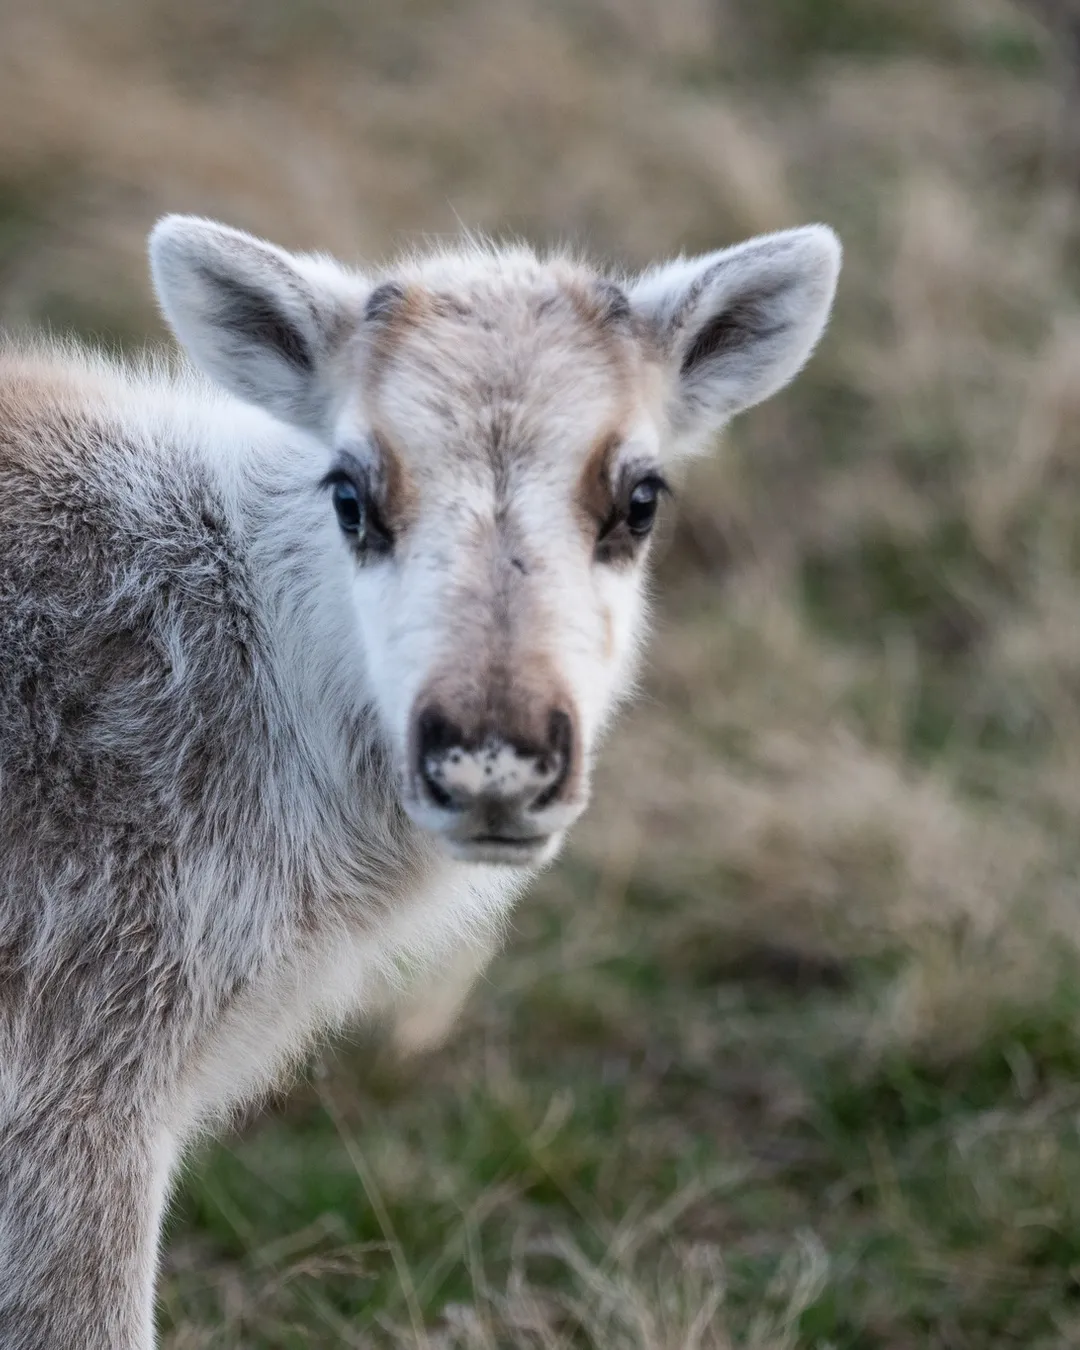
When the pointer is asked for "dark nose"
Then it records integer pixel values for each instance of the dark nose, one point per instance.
(460, 770)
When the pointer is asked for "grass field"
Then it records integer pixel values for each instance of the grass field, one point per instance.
(785, 1052)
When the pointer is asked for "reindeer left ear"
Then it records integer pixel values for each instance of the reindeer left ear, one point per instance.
(263, 322)
(735, 326)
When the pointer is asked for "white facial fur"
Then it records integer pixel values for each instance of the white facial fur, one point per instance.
(494, 411)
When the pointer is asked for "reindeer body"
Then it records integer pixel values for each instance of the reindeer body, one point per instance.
(202, 858)
(245, 790)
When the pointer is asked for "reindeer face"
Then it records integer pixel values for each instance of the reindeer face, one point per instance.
(496, 477)
(499, 431)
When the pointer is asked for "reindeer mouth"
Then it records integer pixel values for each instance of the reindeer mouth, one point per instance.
(490, 833)
(522, 850)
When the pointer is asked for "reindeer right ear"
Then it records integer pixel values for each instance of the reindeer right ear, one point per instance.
(735, 326)
(262, 322)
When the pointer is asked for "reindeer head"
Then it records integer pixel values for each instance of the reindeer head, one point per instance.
(498, 428)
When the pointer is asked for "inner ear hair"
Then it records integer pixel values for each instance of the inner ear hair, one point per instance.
(747, 317)
(248, 311)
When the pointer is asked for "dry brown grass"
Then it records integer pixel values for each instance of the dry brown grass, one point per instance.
(857, 761)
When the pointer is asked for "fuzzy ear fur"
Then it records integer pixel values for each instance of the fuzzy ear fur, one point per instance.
(736, 325)
(262, 322)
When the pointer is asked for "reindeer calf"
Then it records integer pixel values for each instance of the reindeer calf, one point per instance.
(303, 670)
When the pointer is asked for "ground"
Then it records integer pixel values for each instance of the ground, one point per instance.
(784, 1052)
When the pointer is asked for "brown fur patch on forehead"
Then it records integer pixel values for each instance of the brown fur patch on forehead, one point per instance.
(439, 314)
(603, 306)
(392, 310)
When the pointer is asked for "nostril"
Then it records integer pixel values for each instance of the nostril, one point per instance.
(560, 733)
(560, 750)
(435, 791)
(435, 732)
(436, 739)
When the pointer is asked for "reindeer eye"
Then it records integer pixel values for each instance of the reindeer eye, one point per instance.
(644, 500)
(358, 513)
(349, 506)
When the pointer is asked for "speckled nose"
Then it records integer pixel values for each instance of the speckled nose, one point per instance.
(460, 772)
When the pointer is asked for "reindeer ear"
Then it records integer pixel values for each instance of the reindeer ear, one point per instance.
(262, 322)
(735, 326)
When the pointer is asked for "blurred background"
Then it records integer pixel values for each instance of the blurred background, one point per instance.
(785, 1052)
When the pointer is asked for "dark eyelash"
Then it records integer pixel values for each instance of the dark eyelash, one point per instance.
(659, 482)
(339, 475)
